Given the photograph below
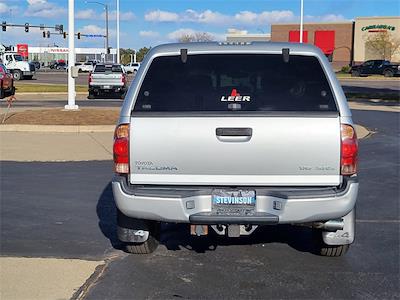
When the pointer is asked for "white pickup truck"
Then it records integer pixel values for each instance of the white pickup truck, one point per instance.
(230, 137)
(107, 79)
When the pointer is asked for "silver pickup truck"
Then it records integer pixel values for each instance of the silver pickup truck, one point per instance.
(107, 79)
(230, 137)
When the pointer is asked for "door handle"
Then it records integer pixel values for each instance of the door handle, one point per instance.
(231, 131)
(234, 135)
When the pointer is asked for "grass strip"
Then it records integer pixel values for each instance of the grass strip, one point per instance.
(47, 88)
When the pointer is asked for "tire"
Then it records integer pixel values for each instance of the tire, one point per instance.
(388, 73)
(323, 249)
(91, 96)
(147, 247)
(17, 74)
(355, 74)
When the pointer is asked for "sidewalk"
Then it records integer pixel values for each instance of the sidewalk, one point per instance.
(49, 146)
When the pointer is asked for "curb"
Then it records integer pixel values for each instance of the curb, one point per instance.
(56, 128)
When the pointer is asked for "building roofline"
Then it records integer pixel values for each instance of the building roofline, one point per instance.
(378, 17)
(313, 23)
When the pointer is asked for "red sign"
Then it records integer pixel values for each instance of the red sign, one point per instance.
(325, 40)
(23, 50)
(294, 36)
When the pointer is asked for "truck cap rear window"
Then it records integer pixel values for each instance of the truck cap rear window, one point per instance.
(235, 82)
(108, 69)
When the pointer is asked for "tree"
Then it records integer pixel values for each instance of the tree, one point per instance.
(142, 53)
(126, 54)
(196, 37)
(383, 45)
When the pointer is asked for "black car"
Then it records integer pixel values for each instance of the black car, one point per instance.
(376, 67)
(36, 64)
(58, 65)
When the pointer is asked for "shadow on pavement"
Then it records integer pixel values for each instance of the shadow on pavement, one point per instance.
(107, 214)
(177, 236)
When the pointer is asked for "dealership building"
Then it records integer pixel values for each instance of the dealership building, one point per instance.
(344, 42)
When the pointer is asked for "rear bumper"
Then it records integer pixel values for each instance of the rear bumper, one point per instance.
(273, 206)
(100, 89)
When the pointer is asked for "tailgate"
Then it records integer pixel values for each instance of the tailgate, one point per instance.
(235, 119)
(262, 151)
(106, 80)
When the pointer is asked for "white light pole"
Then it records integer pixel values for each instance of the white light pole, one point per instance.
(71, 56)
(301, 21)
(118, 58)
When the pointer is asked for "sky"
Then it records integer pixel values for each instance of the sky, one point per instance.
(149, 22)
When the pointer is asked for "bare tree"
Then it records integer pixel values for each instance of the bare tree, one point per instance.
(196, 37)
(383, 44)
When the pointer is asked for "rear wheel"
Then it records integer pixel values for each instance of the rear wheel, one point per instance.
(327, 250)
(388, 73)
(146, 247)
(91, 96)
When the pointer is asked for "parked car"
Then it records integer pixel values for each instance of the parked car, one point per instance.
(86, 67)
(231, 137)
(376, 67)
(107, 79)
(36, 64)
(132, 67)
(58, 65)
(6, 82)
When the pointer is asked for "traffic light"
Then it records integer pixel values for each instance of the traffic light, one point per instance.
(61, 27)
(108, 50)
(64, 35)
(48, 34)
(44, 34)
(79, 35)
(26, 27)
(4, 26)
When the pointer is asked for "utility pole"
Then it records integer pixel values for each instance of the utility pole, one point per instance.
(71, 57)
(301, 20)
(106, 10)
(106, 6)
(118, 54)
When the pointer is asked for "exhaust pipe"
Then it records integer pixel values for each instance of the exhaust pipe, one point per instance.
(331, 225)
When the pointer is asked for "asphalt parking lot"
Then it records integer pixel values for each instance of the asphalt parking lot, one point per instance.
(66, 210)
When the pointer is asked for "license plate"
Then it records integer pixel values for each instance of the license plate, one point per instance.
(233, 201)
(106, 87)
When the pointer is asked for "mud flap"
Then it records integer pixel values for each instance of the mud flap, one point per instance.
(344, 236)
(131, 230)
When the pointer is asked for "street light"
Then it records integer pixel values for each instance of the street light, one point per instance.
(106, 9)
(118, 59)
(71, 57)
(301, 20)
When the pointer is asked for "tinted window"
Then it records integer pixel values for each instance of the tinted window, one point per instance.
(240, 82)
(108, 69)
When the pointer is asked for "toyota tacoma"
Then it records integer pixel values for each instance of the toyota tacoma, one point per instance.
(230, 137)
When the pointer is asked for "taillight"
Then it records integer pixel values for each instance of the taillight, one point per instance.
(123, 78)
(349, 150)
(90, 78)
(121, 149)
